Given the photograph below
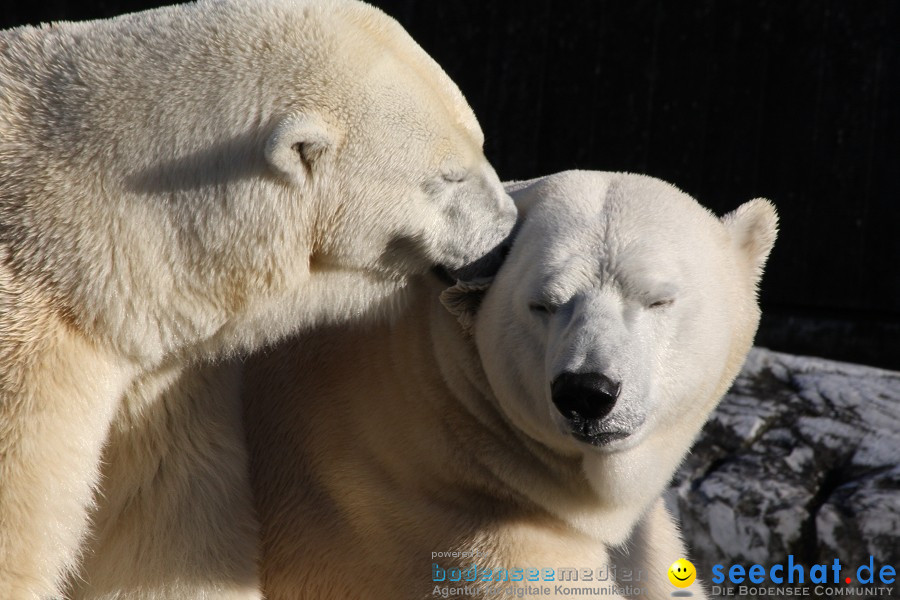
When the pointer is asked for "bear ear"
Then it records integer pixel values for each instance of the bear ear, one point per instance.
(464, 298)
(296, 144)
(754, 227)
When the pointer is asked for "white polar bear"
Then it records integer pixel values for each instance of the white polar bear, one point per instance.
(191, 181)
(385, 460)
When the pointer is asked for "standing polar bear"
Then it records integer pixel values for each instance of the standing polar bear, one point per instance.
(189, 182)
(535, 434)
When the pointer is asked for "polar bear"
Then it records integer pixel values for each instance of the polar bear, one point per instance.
(193, 181)
(532, 437)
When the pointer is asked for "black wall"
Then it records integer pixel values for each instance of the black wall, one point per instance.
(797, 101)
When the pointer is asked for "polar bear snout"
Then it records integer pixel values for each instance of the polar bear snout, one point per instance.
(584, 396)
(478, 218)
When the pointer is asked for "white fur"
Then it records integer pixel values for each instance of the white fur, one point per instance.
(174, 517)
(372, 448)
(191, 181)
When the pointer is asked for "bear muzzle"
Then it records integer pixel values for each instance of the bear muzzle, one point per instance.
(585, 399)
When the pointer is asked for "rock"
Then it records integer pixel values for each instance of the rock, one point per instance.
(801, 457)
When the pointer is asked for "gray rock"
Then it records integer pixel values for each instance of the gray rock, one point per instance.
(802, 457)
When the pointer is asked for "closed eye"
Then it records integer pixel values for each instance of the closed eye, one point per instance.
(541, 308)
(455, 175)
(664, 303)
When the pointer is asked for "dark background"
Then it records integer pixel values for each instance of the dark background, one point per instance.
(797, 101)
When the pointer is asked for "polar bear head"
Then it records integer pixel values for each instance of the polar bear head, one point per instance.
(391, 152)
(621, 314)
(244, 169)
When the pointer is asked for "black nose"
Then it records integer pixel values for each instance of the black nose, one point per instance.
(584, 395)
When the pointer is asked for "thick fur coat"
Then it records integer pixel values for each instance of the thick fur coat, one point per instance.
(536, 428)
(178, 185)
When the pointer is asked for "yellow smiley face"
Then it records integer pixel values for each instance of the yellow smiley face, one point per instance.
(682, 573)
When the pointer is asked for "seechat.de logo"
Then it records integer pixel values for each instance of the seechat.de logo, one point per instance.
(792, 573)
(801, 581)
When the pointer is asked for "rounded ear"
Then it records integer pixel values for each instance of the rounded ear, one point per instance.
(464, 298)
(296, 144)
(753, 227)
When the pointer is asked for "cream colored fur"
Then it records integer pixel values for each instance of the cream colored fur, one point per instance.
(372, 448)
(176, 186)
(174, 517)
